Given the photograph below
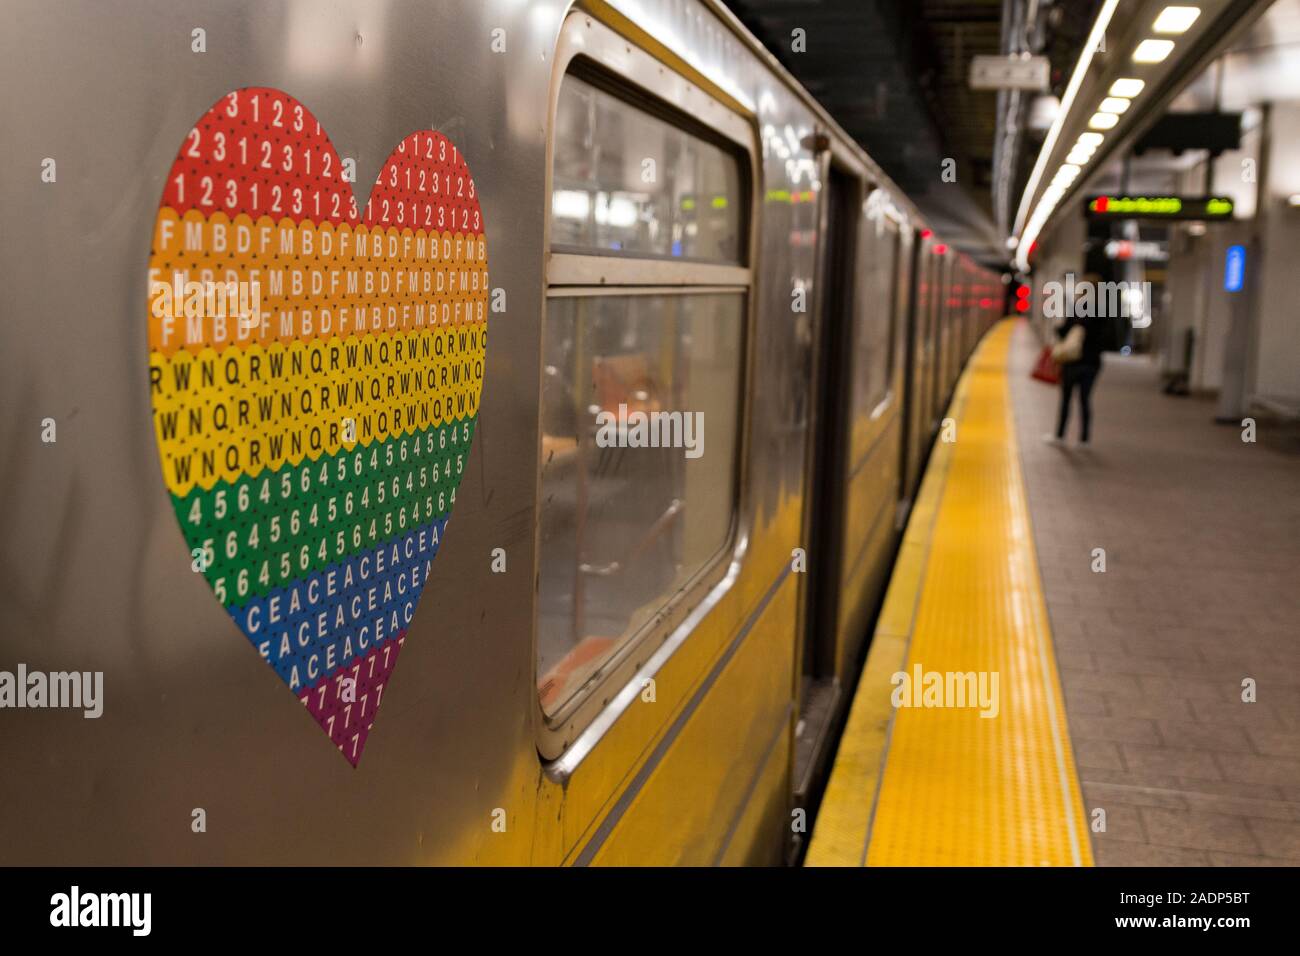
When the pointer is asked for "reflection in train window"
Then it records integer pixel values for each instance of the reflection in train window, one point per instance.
(625, 525)
(874, 316)
(626, 182)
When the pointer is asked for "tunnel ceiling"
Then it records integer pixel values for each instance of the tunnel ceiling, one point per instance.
(894, 75)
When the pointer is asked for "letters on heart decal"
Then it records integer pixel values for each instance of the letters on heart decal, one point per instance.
(315, 368)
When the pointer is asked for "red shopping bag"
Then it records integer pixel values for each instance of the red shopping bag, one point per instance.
(1046, 370)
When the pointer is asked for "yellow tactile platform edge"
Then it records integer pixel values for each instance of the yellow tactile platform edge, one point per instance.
(943, 786)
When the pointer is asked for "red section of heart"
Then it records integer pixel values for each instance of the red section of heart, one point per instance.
(259, 151)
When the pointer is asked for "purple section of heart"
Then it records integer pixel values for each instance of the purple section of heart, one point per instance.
(345, 704)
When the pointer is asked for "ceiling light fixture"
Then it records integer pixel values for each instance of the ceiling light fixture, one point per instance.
(1103, 120)
(1114, 104)
(1175, 19)
(1152, 51)
(1127, 86)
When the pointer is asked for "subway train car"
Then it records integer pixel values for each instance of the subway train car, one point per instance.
(253, 413)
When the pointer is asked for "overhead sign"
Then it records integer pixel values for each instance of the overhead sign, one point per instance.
(1158, 207)
(1216, 132)
(1010, 73)
(1234, 269)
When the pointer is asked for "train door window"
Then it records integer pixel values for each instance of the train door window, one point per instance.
(938, 314)
(874, 311)
(902, 303)
(643, 352)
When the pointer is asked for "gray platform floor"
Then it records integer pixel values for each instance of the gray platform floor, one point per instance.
(1201, 591)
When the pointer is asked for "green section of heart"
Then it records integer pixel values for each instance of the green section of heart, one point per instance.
(257, 534)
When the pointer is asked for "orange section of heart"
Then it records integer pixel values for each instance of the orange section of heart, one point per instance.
(216, 282)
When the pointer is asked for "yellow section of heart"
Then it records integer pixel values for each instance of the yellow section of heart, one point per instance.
(220, 415)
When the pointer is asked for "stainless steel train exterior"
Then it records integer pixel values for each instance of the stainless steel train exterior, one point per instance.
(825, 328)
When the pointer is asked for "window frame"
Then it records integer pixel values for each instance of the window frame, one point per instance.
(597, 54)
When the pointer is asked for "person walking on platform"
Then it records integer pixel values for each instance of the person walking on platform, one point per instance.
(1079, 354)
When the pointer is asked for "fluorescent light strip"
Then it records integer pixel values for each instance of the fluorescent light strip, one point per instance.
(1067, 101)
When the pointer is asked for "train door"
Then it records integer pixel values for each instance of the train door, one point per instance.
(939, 319)
(911, 317)
(968, 291)
(972, 321)
(956, 310)
(922, 356)
(944, 338)
(972, 316)
(959, 327)
(969, 305)
(819, 690)
(957, 353)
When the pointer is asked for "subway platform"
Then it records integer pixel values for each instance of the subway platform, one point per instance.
(1136, 601)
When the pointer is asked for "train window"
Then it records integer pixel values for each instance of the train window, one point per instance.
(874, 312)
(643, 355)
(624, 181)
(639, 431)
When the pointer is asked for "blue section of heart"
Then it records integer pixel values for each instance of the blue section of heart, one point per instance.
(314, 626)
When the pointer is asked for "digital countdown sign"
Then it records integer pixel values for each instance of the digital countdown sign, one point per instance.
(1158, 207)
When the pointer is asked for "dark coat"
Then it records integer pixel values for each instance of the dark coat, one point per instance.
(1094, 333)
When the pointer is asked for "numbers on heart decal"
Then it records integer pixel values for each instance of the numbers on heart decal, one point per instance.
(315, 366)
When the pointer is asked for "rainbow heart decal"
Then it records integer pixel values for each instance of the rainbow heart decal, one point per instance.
(315, 371)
